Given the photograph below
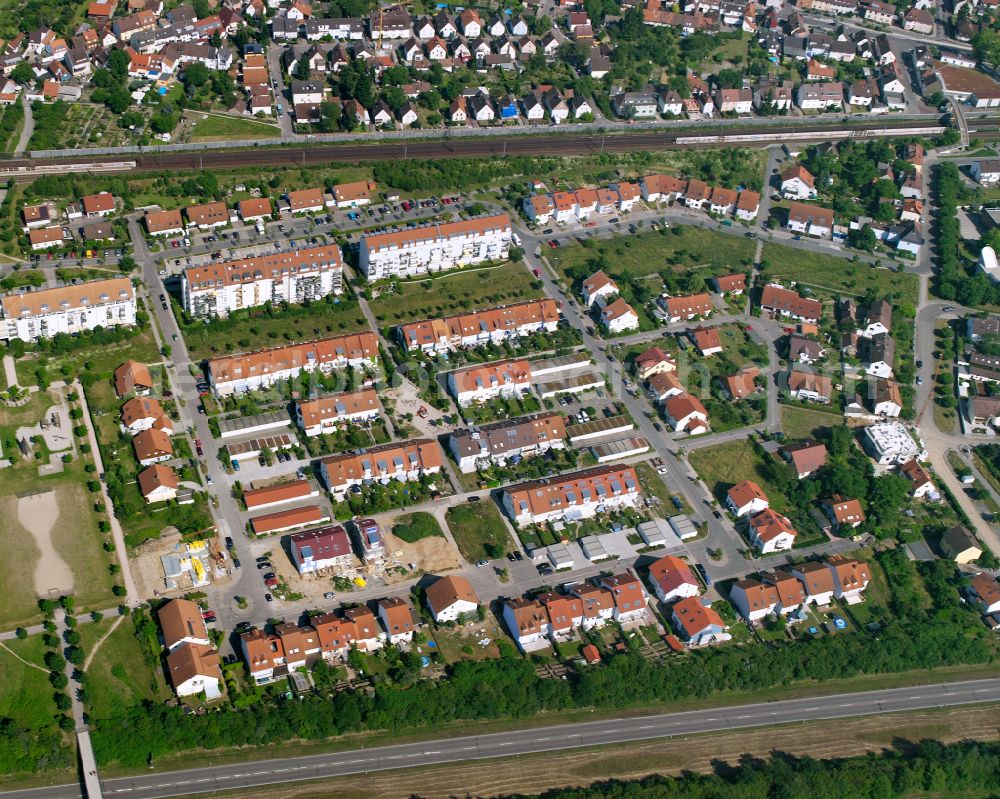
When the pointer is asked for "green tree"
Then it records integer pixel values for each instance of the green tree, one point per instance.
(195, 76)
(117, 64)
(23, 74)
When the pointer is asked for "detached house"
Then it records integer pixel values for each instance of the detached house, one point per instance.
(844, 512)
(813, 220)
(769, 531)
(797, 183)
(619, 316)
(697, 623)
(671, 578)
(746, 498)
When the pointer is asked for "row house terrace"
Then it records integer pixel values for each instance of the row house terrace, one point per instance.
(235, 374)
(563, 206)
(481, 383)
(494, 325)
(327, 414)
(551, 617)
(513, 439)
(271, 656)
(403, 461)
(570, 497)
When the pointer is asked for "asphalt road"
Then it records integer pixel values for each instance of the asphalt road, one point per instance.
(153, 785)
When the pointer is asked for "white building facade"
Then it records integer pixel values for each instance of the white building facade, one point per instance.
(71, 309)
(435, 248)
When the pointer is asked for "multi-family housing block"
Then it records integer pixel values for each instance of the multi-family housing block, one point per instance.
(295, 276)
(70, 309)
(435, 247)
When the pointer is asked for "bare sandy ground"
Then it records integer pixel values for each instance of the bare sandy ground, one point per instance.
(432, 555)
(38, 514)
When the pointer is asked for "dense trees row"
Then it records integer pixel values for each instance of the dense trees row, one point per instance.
(457, 174)
(962, 769)
(954, 281)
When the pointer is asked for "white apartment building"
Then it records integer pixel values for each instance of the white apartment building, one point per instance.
(234, 374)
(435, 247)
(70, 309)
(295, 276)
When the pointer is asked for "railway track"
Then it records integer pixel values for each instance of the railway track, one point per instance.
(556, 144)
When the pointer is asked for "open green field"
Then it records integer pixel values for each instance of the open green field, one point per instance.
(412, 527)
(246, 332)
(479, 531)
(25, 692)
(456, 292)
(679, 248)
(119, 676)
(828, 274)
(214, 126)
(95, 359)
(801, 423)
(74, 538)
(724, 465)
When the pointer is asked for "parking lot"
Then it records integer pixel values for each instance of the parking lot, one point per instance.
(245, 240)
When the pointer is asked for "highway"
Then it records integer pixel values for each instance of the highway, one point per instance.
(153, 784)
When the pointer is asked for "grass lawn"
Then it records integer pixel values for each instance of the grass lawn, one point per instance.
(462, 643)
(25, 692)
(413, 526)
(74, 536)
(800, 423)
(680, 248)
(456, 292)
(828, 274)
(119, 676)
(246, 332)
(479, 531)
(95, 359)
(652, 484)
(223, 127)
(724, 465)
